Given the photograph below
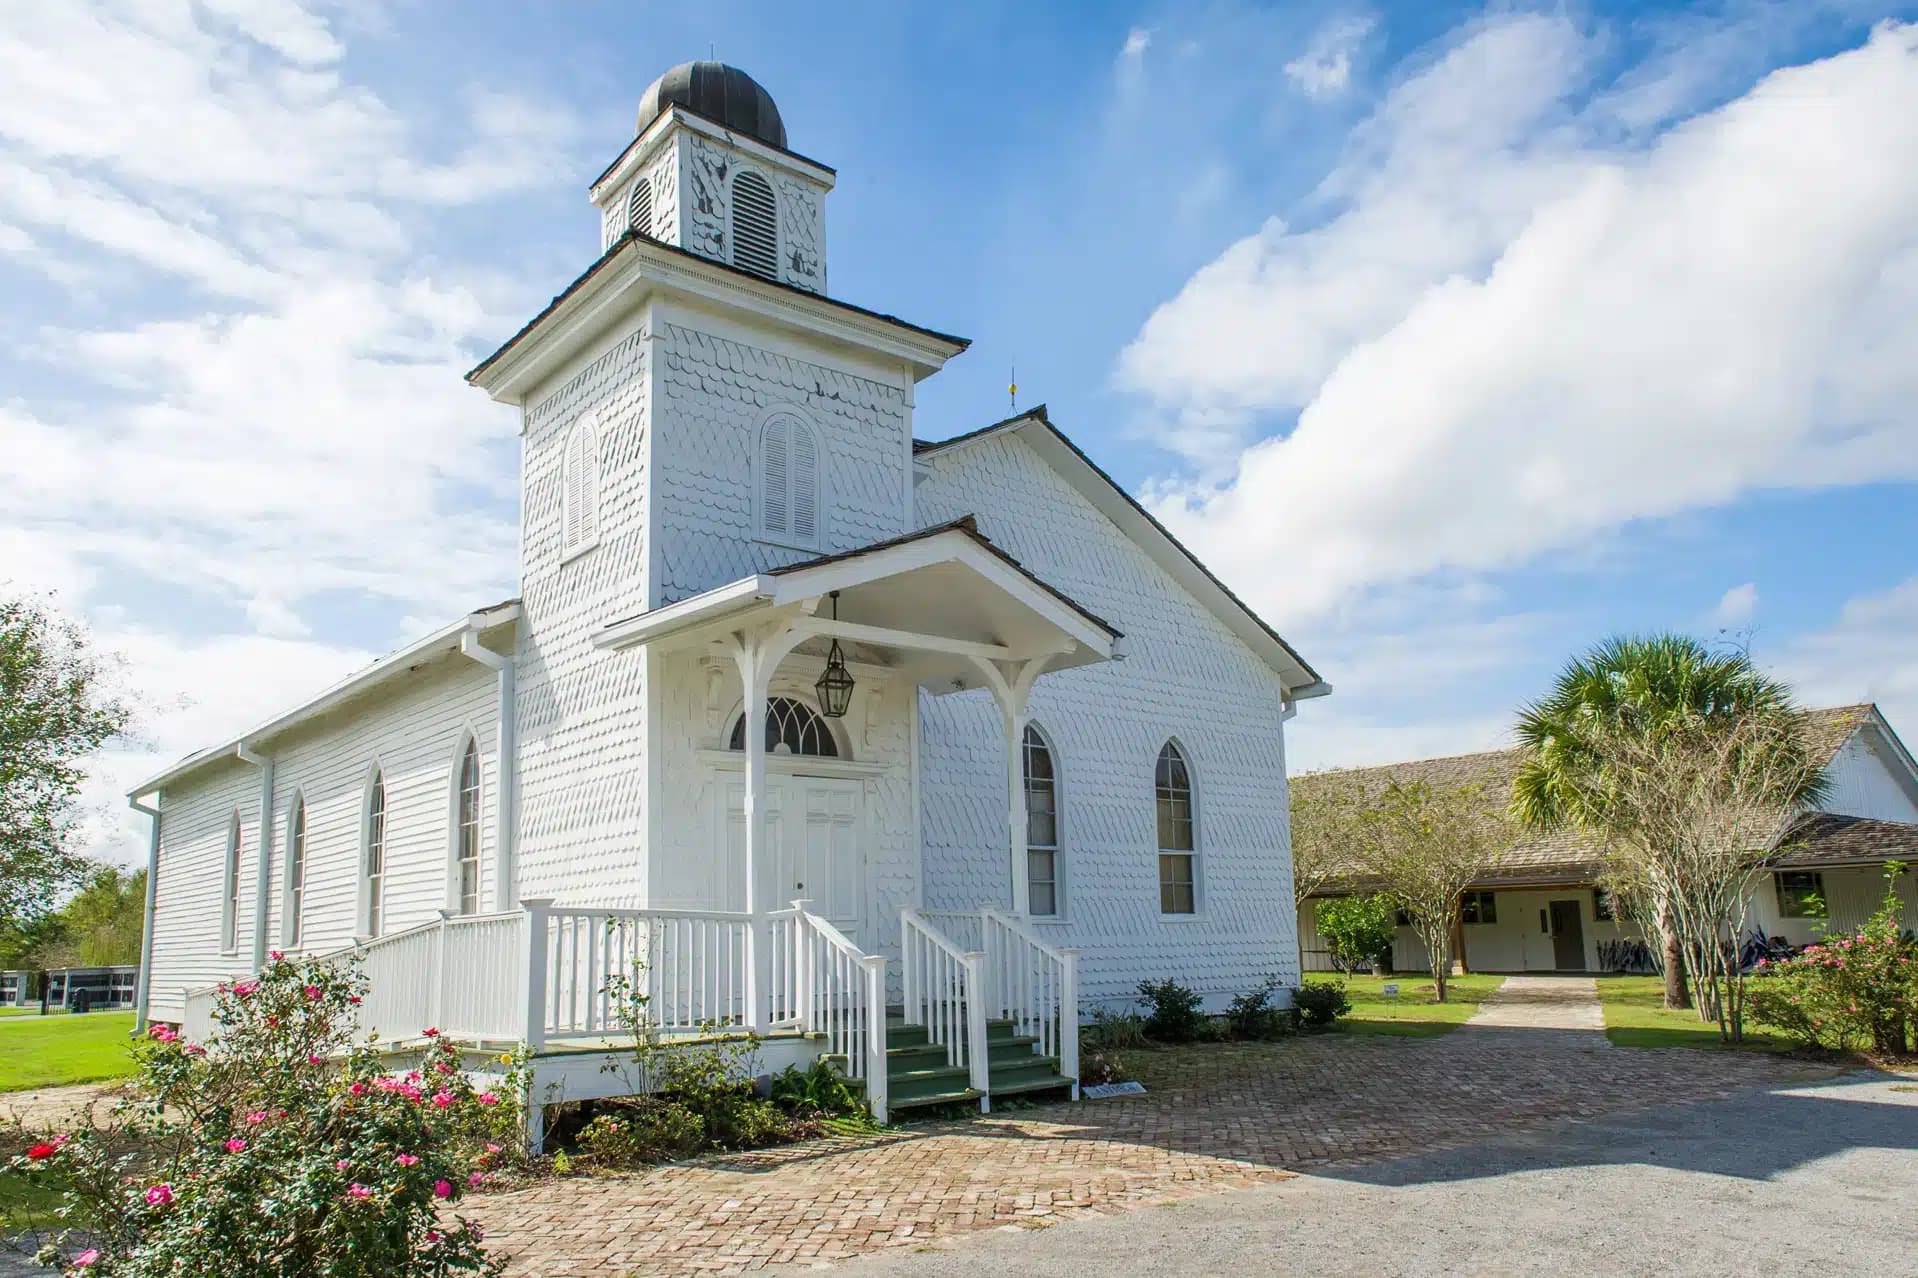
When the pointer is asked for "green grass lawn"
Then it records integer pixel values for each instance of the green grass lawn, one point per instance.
(1413, 1014)
(64, 1049)
(1635, 1016)
(26, 1207)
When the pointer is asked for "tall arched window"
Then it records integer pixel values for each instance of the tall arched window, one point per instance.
(639, 205)
(230, 889)
(789, 481)
(755, 225)
(792, 727)
(467, 835)
(579, 491)
(1042, 826)
(1178, 848)
(295, 871)
(374, 866)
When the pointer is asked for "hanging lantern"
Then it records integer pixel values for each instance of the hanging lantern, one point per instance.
(836, 684)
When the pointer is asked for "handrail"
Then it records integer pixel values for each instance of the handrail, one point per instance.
(945, 992)
(1035, 984)
(838, 990)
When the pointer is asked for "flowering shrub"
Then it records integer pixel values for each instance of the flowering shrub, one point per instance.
(277, 1148)
(644, 1131)
(1854, 991)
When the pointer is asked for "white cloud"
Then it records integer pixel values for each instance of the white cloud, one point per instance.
(1324, 70)
(1736, 606)
(1869, 653)
(1517, 333)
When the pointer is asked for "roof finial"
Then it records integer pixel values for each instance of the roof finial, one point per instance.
(1012, 389)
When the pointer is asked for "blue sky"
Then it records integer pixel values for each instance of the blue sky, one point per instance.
(1455, 337)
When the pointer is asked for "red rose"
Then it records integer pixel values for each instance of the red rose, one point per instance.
(43, 1151)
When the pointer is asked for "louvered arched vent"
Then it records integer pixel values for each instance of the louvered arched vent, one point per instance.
(789, 481)
(639, 206)
(755, 225)
(579, 488)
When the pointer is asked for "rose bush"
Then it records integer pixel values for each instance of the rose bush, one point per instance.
(1852, 991)
(279, 1148)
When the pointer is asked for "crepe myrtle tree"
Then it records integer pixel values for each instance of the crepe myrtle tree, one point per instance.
(1426, 844)
(1598, 747)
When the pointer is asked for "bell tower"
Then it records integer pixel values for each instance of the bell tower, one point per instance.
(709, 172)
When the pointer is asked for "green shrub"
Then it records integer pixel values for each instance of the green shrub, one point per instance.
(275, 1148)
(1100, 1067)
(1172, 1014)
(1855, 991)
(1320, 1003)
(1357, 929)
(1112, 1031)
(1256, 1016)
(817, 1091)
(647, 1130)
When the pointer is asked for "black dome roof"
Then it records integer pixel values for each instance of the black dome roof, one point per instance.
(725, 95)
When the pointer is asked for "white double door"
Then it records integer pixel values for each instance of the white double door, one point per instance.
(813, 846)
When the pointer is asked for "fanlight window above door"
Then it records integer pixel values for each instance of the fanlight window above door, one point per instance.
(792, 727)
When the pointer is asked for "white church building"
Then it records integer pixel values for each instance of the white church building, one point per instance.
(902, 751)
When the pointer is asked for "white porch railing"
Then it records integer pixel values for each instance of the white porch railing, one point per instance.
(690, 965)
(827, 985)
(945, 992)
(1034, 985)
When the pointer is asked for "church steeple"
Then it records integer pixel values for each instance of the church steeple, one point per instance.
(710, 172)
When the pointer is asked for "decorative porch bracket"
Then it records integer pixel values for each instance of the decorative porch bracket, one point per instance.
(1011, 684)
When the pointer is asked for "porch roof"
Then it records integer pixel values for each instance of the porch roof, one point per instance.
(941, 599)
(1829, 840)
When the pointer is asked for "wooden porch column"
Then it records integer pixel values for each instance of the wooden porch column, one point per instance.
(1011, 683)
(758, 653)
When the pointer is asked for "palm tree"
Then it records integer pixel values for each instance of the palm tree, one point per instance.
(1639, 685)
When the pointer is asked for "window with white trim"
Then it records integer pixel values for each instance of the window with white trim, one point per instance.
(1178, 848)
(789, 481)
(295, 870)
(1042, 826)
(792, 727)
(579, 487)
(230, 894)
(755, 225)
(639, 205)
(373, 865)
(467, 837)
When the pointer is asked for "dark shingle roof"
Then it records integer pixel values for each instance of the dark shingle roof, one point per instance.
(1827, 838)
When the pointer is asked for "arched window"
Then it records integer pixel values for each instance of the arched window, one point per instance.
(792, 727)
(789, 481)
(1178, 849)
(579, 495)
(295, 871)
(230, 890)
(1042, 826)
(755, 225)
(467, 834)
(639, 205)
(374, 866)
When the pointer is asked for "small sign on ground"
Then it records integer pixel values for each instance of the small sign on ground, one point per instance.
(1106, 1091)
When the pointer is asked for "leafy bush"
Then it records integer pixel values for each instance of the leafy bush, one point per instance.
(648, 1130)
(1320, 1003)
(276, 1148)
(1100, 1067)
(818, 1091)
(1172, 1014)
(1856, 991)
(1112, 1031)
(1256, 1016)
(1357, 929)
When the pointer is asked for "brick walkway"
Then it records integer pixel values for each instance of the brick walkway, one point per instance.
(1219, 1116)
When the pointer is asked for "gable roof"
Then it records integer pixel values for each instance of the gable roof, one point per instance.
(1576, 856)
(1112, 500)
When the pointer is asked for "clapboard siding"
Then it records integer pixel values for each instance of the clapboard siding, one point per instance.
(1185, 677)
(412, 728)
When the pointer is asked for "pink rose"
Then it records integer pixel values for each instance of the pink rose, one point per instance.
(359, 1190)
(357, 1089)
(275, 955)
(245, 989)
(487, 1098)
(257, 1117)
(313, 993)
(442, 1189)
(162, 1034)
(159, 1195)
(409, 1160)
(194, 1049)
(235, 1145)
(475, 1180)
(341, 1165)
(88, 1258)
(313, 1058)
(443, 1099)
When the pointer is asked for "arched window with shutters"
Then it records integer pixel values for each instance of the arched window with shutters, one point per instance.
(1178, 834)
(639, 205)
(230, 889)
(466, 830)
(792, 727)
(1042, 826)
(789, 481)
(755, 225)
(290, 923)
(579, 488)
(373, 857)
